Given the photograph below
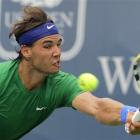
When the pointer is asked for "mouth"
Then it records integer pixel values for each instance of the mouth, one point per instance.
(57, 64)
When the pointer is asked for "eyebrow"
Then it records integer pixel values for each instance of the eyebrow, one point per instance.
(50, 41)
(46, 41)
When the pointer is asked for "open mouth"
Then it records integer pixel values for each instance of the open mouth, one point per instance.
(57, 64)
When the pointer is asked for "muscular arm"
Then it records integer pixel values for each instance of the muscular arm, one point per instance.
(104, 110)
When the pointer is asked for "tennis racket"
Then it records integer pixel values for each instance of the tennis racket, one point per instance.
(136, 69)
(136, 73)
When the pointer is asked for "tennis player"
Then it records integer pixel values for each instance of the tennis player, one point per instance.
(32, 85)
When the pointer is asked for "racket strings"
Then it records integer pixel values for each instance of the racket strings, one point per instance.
(136, 70)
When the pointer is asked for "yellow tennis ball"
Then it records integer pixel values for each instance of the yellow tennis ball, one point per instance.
(88, 82)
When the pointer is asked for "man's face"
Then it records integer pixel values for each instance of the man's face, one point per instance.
(45, 54)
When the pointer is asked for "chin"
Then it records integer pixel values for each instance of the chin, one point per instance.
(53, 71)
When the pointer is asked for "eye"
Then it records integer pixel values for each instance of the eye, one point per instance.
(48, 45)
(60, 43)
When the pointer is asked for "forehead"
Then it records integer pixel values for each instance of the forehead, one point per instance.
(55, 37)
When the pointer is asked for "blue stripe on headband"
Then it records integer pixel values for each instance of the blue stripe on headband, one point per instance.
(37, 33)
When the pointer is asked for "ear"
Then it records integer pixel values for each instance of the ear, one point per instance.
(26, 51)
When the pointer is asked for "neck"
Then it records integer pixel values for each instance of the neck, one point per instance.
(30, 77)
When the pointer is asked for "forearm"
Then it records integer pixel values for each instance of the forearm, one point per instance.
(108, 111)
(104, 110)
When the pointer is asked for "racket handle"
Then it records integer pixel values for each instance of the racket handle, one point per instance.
(136, 116)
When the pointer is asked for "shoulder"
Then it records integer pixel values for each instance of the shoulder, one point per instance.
(6, 66)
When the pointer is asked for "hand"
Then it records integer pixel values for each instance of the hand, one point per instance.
(132, 128)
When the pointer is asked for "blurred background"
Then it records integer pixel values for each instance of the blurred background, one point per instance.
(101, 37)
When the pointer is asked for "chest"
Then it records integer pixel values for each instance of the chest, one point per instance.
(20, 111)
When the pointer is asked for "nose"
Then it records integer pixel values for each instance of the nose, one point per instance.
(56, 50)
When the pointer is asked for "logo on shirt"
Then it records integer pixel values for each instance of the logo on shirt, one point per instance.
(40, 108)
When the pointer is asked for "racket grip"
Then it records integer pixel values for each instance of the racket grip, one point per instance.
(136, 116)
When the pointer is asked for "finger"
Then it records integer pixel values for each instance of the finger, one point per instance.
(136, 124)
(129, 117)
(134, 130)
(128, 124)
(131, 129)
(127, 129)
